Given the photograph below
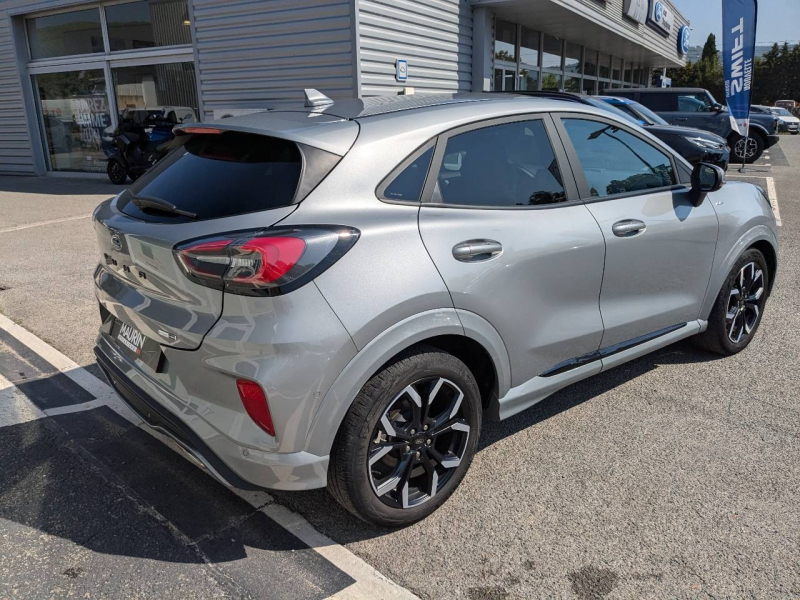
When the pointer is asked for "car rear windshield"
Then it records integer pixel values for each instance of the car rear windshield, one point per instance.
(221, 175)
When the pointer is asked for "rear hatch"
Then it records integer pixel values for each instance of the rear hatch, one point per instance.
(243, 174)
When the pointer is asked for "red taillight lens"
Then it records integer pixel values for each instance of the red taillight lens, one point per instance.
(266, 259)
(255, 403)
(264, 263)
(201, 130)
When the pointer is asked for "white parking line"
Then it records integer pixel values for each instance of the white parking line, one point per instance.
(40, 223)
(369, 583)
(15, 408)
(773, 199)
(772, 193)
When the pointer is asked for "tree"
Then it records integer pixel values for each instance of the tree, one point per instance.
(710, 51)
(705, 73)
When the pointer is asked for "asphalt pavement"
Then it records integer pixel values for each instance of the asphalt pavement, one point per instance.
(674, 476)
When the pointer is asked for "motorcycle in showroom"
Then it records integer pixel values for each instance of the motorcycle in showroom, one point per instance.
(137, 144)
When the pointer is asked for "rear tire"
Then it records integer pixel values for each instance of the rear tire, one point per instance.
(116, 172)
(739, 306)
(382, 472)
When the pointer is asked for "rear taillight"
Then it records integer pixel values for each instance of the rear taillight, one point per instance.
(255, 403)
(267, 262)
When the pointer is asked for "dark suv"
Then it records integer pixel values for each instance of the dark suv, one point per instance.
(696, 107)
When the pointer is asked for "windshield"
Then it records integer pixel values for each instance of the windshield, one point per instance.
(781, 112)
(639, 111)
(612, 109)
(647, 114)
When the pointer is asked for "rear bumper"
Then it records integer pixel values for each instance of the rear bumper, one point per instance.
(772, 140)
(231, 463)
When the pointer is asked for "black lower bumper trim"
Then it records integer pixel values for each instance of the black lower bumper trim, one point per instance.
(158, 417)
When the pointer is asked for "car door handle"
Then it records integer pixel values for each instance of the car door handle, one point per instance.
(628, 228)
(681, 118)
(477, 250)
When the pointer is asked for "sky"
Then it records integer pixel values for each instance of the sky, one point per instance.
(778, 20)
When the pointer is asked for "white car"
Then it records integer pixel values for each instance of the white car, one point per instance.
(787, 121)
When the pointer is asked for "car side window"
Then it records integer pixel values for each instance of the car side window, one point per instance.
(694, 103)
(617, 162)
(408, 184)
(507, 165)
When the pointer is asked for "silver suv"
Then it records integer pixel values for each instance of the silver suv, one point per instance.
(338, 293)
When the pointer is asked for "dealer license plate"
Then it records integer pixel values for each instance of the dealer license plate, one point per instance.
(134, 344)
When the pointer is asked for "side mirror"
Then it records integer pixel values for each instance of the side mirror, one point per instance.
(705, 179)
(718, 108)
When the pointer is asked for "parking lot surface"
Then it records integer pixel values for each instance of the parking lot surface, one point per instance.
(674, 476)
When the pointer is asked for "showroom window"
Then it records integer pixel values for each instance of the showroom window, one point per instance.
(147, 24)
(92, 68)
(77, 32)
(529, 60)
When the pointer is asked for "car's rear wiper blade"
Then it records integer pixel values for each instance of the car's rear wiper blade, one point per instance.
(161, 205)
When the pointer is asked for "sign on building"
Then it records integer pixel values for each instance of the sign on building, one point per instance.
(636, 10)
(661, 17)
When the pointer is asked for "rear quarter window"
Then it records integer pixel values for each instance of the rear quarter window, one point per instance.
(222, 175)
(657, 102)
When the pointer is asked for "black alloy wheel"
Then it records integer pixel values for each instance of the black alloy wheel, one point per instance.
(419, 441)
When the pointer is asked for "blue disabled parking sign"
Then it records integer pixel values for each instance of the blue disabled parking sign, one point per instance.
(402, 70)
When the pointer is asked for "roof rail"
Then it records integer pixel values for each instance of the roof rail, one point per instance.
(316, 99)
(553, 94)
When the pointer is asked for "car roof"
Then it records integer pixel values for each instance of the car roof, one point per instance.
(335, 126)
(662, 90)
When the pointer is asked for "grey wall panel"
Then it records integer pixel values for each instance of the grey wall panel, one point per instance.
(15, 145)
(262, 54)
(435, 36)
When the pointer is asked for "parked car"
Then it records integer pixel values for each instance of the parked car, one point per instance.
(791, 105)
(697, 108)
(339, 293)
(695, 145)
(787, 122)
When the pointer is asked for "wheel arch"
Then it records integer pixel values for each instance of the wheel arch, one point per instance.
(466, 335)
(771, 255)
(760, 237)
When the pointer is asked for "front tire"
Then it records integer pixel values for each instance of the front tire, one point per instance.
(407, 440)
(116, 172)
(739, 306)
(754, 145)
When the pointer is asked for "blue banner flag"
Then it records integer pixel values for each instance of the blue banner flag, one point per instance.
(739, 19)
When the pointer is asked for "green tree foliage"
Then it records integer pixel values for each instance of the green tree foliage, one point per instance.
(776, 75)
(710, 51)
(705, 73)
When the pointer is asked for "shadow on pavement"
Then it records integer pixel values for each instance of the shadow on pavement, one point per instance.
(94, 479)
(59, 186)
(97, 480)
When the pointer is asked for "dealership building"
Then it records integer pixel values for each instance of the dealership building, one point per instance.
(71, 70)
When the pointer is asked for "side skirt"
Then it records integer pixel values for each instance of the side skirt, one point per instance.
(537, 389)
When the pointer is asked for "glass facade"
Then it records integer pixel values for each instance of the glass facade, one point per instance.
(147, 24)
(74, 112)
(90, 89)
(66, 34)
(525, 59)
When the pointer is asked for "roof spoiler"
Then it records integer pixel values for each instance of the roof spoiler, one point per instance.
(316, 99)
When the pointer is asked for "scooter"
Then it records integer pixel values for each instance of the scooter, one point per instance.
(134, 150)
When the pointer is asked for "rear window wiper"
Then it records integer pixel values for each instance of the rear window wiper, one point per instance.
(160, 205)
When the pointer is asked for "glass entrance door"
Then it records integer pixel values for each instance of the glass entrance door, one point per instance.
(74, 112)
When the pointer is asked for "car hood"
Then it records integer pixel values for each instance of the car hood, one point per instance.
(685, 132)
(789, 119)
